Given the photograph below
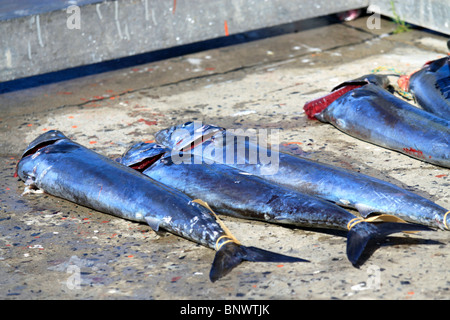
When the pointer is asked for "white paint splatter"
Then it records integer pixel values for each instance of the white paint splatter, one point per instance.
(38, 26)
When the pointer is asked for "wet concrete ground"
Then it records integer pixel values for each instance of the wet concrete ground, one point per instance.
(53, 249)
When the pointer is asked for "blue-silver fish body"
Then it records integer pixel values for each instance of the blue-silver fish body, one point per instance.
(430, 87)
(233, 192)
(63, 168)
(374, 115)
(236, 193)
(341, 186)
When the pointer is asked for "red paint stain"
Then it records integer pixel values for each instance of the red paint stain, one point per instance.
(414, 152)
(441, 175)
(175, 279)
(289, 143)
(149, 123)
(174, 6)
(226, 28)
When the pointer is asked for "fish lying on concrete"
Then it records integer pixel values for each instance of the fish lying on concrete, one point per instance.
(365, 110)
(344, 187)
(58, 166)
(430, 86)
(232, 192)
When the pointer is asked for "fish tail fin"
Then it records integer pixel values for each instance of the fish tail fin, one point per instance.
(360, 234)
(232, 254)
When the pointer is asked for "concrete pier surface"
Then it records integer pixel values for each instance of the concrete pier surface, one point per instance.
(53, 249)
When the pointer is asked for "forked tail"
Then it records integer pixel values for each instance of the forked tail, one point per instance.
(360, 234)
(232, 254)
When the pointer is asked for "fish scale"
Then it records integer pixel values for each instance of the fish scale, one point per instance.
(430, 86)
(80, 175)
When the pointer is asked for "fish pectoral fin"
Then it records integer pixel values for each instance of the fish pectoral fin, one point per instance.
(364, 210)
(153, 223)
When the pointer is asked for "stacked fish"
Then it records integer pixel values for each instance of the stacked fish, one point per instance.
(193, 174)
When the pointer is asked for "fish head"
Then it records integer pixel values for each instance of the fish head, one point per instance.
(431, 66)
(142, 155)
(186, 135)
(435, 65)
(381, 80)
(45, 139)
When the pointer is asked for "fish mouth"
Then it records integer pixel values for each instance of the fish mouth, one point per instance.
(142, 155)
(38, 147)
(44, 140)
(146, 163)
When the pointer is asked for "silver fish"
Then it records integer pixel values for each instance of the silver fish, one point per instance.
(232, 192)
(344, 187)
(369, 112)
(65, 169)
